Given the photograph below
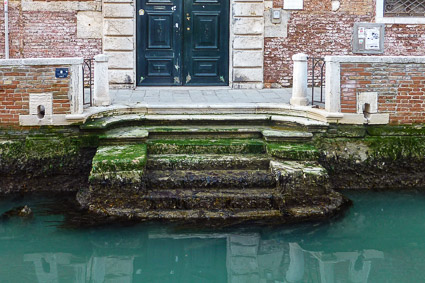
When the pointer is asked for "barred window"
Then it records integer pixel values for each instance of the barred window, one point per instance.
(404, 8)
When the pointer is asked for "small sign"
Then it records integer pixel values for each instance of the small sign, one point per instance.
(61, 73)
(372, 38)
(293, 4)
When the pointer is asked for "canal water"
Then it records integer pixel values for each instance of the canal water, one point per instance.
(381, 238)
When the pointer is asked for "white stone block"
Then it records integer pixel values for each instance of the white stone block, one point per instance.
(248, 58)
(41, 101)
(121, 10)
(118, 43)
(89, 24)
(248, 42)
(118, 27)
(118, 1)
(248, 26)
(370, 98)
(248, 74)
(276, 30)
(101, 83)
(248, 9)
(121, 76)
(121, 60)
(242, 85)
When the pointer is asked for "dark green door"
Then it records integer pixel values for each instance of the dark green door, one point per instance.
(182, 43)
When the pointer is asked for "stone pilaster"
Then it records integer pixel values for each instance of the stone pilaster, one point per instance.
(118, 40)
(247, 25)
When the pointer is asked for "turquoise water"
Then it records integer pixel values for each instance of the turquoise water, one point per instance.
(380, 239)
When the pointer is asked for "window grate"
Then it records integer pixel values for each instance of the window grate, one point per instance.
(404, 8)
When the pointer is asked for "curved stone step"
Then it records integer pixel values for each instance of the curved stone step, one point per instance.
(211, 199)
(209, 179)
(193, 215)
(207, 162)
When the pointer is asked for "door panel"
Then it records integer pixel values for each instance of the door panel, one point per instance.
(182, 43)
(206, 36)
(159, 42)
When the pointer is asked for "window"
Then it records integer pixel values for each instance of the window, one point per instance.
(400, 11)
(404, 8)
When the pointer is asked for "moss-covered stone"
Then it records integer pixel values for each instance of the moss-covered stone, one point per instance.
(399, 130)
(119, 158)
(291, 151)
(198, 146)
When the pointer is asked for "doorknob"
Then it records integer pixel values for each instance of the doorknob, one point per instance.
(188, 18)
(188, 28)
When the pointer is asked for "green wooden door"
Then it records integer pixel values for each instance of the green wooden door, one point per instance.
(182, 43)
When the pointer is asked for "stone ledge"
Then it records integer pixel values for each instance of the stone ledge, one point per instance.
(41, 61)
(376, 59)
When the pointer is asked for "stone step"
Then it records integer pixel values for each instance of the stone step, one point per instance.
(293, 151)
(126, 135)
(110, 160)
(205, 216)
(204, 132)
(206, 146)
(207, 162)
(187, 199)
(238, 179)
(286, 136)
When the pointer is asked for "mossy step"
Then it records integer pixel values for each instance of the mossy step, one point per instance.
(206, 162)
(185, 199)
(286, 136)
(203, 132)
(191, 215)
(291, 151)
(125, 135)
(119, 158)
(209, 179)
(206, 146)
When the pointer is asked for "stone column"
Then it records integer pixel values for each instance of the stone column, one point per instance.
(299, 87)
(101, 81)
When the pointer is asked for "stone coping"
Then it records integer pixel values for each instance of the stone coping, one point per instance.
(41, 61)
(376, 59)
(283, 112)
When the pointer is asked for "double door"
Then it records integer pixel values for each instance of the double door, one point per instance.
(182, 42)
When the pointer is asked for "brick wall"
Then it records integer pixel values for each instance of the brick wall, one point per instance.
(17, 82)
(317, 31)
(45, 34)
(400, 88)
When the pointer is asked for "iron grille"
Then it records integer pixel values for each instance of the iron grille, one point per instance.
(404, 8)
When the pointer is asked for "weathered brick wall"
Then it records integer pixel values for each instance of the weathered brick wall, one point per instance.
(17, 82)
(317, 31)
(45, 34)
(400, 88)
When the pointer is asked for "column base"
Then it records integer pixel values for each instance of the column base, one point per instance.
(299, 101)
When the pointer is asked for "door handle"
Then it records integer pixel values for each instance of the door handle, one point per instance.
(188, 18)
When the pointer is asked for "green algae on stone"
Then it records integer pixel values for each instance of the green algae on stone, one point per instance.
(397, 147)
(291, 151)
(119, 158)
(213, 146)
(399, 130)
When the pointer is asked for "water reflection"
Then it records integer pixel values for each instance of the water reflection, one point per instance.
(364, 246)
(154, 256)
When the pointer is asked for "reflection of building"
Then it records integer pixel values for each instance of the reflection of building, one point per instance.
(221, 257)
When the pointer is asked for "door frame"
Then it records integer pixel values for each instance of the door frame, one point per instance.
(230, 50)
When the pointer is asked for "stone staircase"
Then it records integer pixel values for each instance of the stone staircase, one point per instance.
(216, 173)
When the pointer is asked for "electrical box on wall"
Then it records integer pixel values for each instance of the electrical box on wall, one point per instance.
(276, 16)
(368, 38)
